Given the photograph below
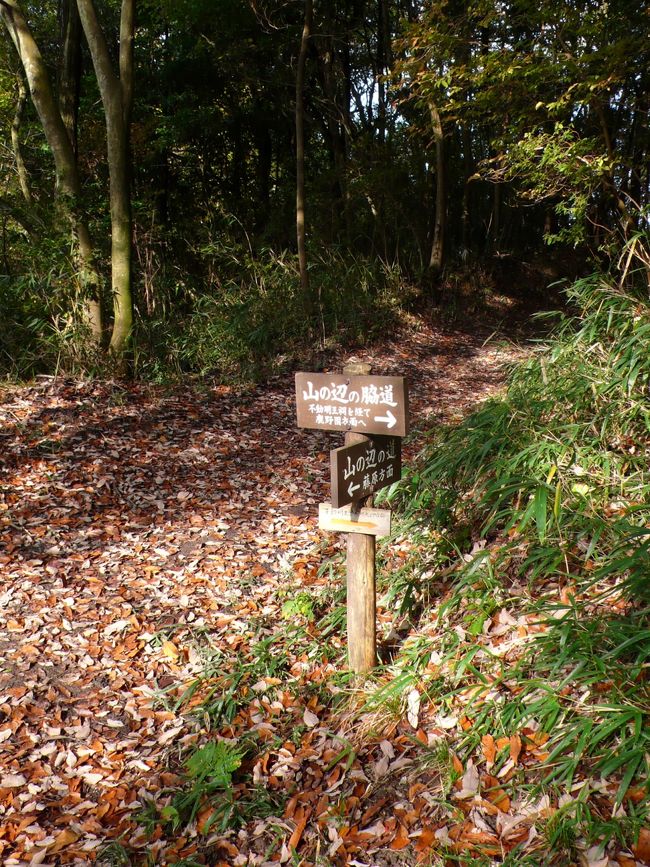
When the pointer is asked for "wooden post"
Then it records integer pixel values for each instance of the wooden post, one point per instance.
(361, 605)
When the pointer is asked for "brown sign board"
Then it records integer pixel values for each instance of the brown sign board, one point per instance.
(364, 404)
(361, 469)
(370, 522)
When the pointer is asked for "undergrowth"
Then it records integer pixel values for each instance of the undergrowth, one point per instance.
(238, 315)
(249, 319)
(521, 618)
(535, 513)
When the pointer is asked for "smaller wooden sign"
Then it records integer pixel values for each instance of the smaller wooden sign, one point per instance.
(370, 522)
(361, 469)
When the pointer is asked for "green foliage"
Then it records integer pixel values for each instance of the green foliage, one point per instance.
(41, 328)
(562, 168)
(553, 479)
(252, 317)
(209, 770)
(209, 774)
(300, 605)
(113, 855)
(543, 94)
(214, 763)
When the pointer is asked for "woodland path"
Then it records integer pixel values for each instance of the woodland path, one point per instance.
(133, 519)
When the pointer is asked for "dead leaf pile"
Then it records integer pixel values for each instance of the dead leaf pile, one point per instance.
(133, 519)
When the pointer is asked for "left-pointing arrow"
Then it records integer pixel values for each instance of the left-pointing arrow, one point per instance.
(352, 488)
(389, 419)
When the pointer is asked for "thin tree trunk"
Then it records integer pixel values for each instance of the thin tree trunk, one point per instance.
(70, 69)
(68, 187)
(300, 162)
(383, 61)
(264, 145)
(335, 134)
(436, 260)
(347, 126)
(21, 168)
(117, 98)
(495, 227)
(468, 171)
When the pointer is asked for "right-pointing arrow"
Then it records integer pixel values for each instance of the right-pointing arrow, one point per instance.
(389, 419)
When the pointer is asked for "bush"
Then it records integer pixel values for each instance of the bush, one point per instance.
(550, 484)
(251, 314)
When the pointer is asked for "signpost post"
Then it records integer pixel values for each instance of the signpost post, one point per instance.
(360, 567)
(373, 413)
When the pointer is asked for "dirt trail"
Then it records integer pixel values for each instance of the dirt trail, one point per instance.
(130, 519)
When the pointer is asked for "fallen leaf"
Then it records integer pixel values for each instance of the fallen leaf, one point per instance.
(413, 708)
(301, 822)
(310, 719)
(515, 747)
(641, 848)
(12, 781)
(401, 839)
(65, 838)
(170, 650)
(469, 783)
(489, 748)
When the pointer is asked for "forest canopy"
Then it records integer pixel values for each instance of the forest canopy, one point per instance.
(151, 158)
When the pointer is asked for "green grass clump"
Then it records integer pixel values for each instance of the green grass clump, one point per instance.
(249, 317)
(544, 495)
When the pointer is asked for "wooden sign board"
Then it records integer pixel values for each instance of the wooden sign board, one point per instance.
(364, 404)
(370, 522)
(361, 469)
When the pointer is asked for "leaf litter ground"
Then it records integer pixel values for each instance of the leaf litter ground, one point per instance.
(140, 526)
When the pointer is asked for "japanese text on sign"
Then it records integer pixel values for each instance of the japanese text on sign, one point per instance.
(361, 469)
(371, 395)
(366, 404)
(373, 458)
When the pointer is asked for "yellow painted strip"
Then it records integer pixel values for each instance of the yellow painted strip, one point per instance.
(342, 523)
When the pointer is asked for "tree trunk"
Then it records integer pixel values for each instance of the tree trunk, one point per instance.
(264, 145)
(70, 69)
(300, 162)
(117, 98)
(440, 218)
(383, 61)
(495, 223)
(21, 169)
(68, 187)
(333, 123)
(468, 171)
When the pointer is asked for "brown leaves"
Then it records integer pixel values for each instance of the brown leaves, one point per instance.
(62, 840)
(132, 522)
(515, 748)
(489, 749)
(641, 848)
(401, 839)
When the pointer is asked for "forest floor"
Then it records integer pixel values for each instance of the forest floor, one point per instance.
(144, 530)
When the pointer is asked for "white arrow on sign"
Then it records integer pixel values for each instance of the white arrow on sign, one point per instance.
(352, 488)
(389, 418)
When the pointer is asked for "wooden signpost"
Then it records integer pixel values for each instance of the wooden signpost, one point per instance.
(373, 413)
